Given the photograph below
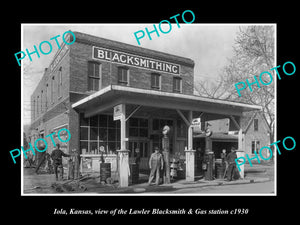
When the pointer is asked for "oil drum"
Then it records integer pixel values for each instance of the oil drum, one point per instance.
(220, 169)
(134, 173)
(105, 171)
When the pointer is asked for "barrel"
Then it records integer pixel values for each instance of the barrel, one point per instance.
(105, 171)
(134, 173)
(220, 169)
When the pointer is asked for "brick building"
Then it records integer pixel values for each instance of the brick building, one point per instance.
(88, 80)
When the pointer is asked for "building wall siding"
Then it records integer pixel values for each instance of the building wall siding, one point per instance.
(261, 135)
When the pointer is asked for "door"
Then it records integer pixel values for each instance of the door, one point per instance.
(143, 148)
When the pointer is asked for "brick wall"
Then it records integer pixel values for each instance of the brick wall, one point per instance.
(48, 102)
(81, 53)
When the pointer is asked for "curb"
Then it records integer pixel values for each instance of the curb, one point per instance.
(216, 183)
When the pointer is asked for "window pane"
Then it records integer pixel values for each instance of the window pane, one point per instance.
(118, 145)
(176, 84)
(96, 73)
(93, 146)
(94, 121)
(111, 122)
(93, 133)
(103, 121)
(84, 133)
(112, 134)
(169, 123)
(155, 124)
(143, 122)
(134, 122)
(96, 85)
(112, 146)
(102, 134)
(133, 132)
(143, 132)
(122, 75)
(103, 144)
(162, 123)
(155, 80)
(83, 147)
(118, 133)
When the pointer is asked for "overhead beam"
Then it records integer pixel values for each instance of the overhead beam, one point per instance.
(235, 122)
(183, 118)
(133, 112)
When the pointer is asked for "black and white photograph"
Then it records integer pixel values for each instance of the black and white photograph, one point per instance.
(159, 118)
(175, 113)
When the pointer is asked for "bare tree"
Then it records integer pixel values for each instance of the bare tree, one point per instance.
(253, 54)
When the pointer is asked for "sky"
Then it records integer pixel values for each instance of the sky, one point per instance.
(209, 45)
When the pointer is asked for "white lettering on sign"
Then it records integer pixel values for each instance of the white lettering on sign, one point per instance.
(135, 60)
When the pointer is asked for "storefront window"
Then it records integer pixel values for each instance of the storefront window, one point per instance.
(138, 127)
(97, 131)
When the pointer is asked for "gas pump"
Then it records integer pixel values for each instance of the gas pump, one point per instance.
(209, 161)
(208, 165)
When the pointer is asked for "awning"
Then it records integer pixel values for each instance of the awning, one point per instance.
(113, 95)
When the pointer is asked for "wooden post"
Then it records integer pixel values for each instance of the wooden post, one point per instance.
(123, 158)
(189, 152)
(241, 149)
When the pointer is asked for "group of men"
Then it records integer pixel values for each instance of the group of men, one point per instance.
(56, 157)
(156, 164)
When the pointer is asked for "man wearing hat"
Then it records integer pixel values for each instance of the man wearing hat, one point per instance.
(156, 164)
(56, 156)
(230, 159)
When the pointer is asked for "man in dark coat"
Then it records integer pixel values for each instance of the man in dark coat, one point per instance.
(156, 164)
(230, 159)
(56, 156)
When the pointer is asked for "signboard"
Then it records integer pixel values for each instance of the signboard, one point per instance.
(196, 122)
(218, 126)
(118, 110)
(196, 125)
(135, 60)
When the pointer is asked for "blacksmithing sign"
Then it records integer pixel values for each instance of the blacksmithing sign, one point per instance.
(135, 60)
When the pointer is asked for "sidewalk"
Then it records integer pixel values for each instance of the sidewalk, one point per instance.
(181, 184)
(42, 183)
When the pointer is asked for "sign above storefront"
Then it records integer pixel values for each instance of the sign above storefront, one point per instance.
(135, 60)
(118, 110)
(219, 126)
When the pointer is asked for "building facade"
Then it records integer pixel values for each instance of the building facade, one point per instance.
(88, 81)
(257, 134)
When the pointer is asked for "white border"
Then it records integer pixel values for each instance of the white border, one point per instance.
(157, 194)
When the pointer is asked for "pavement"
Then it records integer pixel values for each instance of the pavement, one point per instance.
(43, 183)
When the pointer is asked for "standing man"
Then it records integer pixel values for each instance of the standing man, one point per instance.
(41, 156)
(230, 159)
(56, 156)
(156, 164)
